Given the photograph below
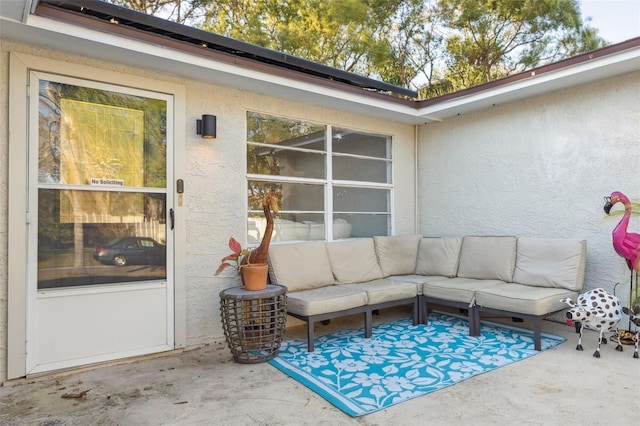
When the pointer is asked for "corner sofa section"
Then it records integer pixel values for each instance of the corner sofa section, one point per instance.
(331, 280)
(518, 277)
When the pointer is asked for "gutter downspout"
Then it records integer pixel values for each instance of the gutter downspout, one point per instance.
(416, 221)
(29, 8)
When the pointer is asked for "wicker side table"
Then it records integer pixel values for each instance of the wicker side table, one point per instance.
(253, 322)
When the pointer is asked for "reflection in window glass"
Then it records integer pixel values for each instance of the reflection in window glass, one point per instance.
(271, 161)
(359, 169)
(266, 129)
(300, 216)
(98, 240)
(346, 141)
(87, 134)
(353, 199)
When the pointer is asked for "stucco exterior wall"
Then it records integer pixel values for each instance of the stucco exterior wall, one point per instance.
(215, 181)
(538, 167)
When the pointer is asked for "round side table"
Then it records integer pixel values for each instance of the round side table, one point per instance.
(253, 322)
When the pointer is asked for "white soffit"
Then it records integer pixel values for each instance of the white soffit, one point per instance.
(575, 75)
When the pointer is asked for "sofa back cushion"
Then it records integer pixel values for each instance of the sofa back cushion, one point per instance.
(397, 255)
(551, 262)
(354, 261)
(438, 256)
(488, 258)
(300, 266)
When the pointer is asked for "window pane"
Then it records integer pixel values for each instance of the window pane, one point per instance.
(358, 169)
(347, 199)
(287, 227)
(301, 209)
(362, 225)
(96, 137)
(285, 132)
(296, 197)
(351, 142)
(270, 161)
(96, 237)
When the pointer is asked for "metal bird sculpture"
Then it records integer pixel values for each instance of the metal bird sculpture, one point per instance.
(259, 254)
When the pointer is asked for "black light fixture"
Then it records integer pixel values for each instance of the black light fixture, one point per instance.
(207, 126)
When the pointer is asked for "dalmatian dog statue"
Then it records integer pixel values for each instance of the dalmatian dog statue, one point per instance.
(596, 310)
(635, 319)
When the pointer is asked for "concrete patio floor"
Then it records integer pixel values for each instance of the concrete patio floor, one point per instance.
(204, 386)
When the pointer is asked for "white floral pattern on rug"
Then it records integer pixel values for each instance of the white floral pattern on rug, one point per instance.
(402, 361)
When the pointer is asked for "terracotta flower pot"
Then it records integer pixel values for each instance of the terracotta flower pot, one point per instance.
(254, 276)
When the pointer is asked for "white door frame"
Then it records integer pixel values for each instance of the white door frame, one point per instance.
(20, 65)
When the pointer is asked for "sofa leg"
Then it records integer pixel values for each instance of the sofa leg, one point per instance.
(537, 334)
(474, 321)
(415, 312)
(310, 336)
(368, 326)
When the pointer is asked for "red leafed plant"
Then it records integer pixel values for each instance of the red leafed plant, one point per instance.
(235, 258)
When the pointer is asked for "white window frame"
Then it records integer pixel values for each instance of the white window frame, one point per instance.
(328, 182)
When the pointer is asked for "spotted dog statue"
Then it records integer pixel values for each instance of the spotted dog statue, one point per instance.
(635, 319)
(597, 310)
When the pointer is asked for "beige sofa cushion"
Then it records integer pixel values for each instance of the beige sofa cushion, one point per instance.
(386, 290)
(354, 261)
(397, 255)
(322, 300)
(488, 258)
(551, 262)
(300, 266)
(456, 289)
(438, 256)
(524, 299)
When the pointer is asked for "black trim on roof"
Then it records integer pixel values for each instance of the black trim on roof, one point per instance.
(151, 24)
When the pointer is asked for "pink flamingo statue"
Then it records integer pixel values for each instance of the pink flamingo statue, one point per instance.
(626, 244)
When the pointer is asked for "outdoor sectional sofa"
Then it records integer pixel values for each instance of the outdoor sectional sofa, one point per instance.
(515, 277)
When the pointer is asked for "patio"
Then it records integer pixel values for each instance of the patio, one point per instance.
(204, 386)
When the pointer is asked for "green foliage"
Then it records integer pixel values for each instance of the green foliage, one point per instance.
(435, 46)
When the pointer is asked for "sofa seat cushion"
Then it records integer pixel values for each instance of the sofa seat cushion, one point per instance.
(300, 266)
(438, 256)
(354, 261)
(551, 262)
(457, 289)
(385, 290)
(524, 299)
(397, 255)
(326, 299)
(488, 258)
(418, 280)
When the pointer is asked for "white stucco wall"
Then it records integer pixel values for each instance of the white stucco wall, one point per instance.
(215, 183)
(216, 186)
(538, 167)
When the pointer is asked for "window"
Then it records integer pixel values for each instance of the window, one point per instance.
(332, 182)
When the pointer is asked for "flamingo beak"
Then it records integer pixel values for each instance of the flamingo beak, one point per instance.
(607, 205)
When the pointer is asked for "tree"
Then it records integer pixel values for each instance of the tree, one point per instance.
(180, 11)
(493, 39)
(434, 46)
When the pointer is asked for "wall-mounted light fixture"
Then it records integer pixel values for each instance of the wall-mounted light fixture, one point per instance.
(207, 126)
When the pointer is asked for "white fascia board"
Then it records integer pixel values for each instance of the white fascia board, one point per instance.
(582, 73)
(111, 47)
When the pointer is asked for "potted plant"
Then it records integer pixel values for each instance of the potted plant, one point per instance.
(254, 275)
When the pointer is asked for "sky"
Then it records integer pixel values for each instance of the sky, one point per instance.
(616, 20)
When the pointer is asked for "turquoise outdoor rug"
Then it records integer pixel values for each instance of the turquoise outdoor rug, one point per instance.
(402, 361)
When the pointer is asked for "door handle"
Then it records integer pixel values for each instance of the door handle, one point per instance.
(171, 216)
